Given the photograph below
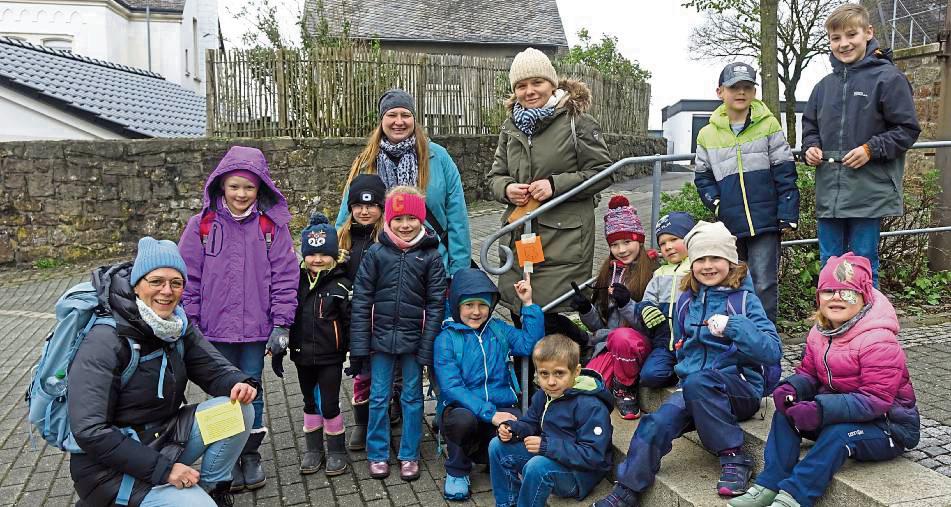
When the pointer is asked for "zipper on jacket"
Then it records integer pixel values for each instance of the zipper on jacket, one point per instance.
(399, 290)
(703, 313)
(845, 107)
(485, 366)
(825, 362)
(548, 401)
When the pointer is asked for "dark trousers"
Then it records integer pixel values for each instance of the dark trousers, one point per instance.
(761, 253)
(711, 402)
(658, 369)
(320, 386)
(467, 438)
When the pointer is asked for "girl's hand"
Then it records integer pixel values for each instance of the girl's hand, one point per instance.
(243, 393)
(533, 444)
(717, 324)
(813, 156)
(505, 434)
(523, 289)
(517, 193)
(541, 190)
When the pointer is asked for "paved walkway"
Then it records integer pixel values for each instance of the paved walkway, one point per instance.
(40, 475)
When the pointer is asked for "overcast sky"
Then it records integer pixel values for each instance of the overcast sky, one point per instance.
(653, 32)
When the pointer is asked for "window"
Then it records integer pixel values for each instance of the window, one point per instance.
(187, 73)
(195, 52)
(59, 43)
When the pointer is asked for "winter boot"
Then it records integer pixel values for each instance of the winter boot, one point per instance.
(625, 398)
(784, 499)
(220, 493)
(735, 471)
(620, 496)
(337, 460)
(756, 496)
(237, 477)
(314, 453)
(358, 435)
(251, 460)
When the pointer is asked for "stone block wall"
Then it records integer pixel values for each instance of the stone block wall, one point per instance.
(76, 200)
(922, 65)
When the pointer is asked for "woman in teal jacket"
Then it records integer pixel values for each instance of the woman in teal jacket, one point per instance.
(399, 152)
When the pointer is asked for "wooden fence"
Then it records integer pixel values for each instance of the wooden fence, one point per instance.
(333, 92)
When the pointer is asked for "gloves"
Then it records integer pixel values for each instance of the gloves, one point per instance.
(652, 317)
(780, 394)
(358, 366)
(277, 342)
(621, 295)
(277, 364)
(717, 324)
(783, 225)
(578, 301)
(805, 415)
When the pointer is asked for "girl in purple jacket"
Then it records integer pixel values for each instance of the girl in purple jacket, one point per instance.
(242, 278)
(852, 394)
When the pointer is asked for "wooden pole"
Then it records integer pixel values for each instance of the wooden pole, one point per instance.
(211, 94)
(939, 254)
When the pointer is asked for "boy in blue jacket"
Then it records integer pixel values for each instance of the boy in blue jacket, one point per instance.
(476, 384)
(563, 444)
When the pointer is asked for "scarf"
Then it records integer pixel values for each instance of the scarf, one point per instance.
(846, 326)
(406, 171)
(168, 330)
(527, 119)
(251, 209)
(403, 245)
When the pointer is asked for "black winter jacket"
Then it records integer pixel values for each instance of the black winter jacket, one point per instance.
(321, 331)
(98, 407)
(361, 237)
(398, 300)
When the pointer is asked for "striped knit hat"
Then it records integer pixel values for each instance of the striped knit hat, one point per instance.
(621, 221)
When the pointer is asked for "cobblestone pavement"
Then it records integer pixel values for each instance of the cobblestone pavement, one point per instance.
(40, 475)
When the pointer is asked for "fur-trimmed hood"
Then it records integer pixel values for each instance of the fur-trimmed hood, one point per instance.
(576, 101)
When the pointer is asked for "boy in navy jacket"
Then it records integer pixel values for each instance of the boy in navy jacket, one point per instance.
(563, 444)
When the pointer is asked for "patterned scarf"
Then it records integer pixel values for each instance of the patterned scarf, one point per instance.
(406, 172)
(168, 330)
(527, 119)
(846, 326)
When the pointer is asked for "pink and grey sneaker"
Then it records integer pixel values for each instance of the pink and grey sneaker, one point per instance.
(625, 399)
(735, 471)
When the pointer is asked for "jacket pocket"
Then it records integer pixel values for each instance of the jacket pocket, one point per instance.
(214, 240)
(563, 239)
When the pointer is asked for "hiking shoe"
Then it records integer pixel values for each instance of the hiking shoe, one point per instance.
(620, 496)
(756, 496)
(625, 399)
(784, 499)
(457, 488)
(735, 471)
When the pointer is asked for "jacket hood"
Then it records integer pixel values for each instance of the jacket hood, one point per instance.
(270, 200)
(117, 298)
(880, 316)
(874, 55)
(429, 240)
(576, 101)
(469, 282)
(590, 383)
(758, 111)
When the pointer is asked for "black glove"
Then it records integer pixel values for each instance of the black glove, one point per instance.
(277, 364)
(358, 366)
(621, 295)
(652, 317)
(578, 301)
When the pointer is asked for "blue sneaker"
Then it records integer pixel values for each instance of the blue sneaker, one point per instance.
(457, 488)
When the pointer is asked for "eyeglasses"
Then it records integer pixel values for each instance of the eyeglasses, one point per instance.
(844, 294)
(158, 283)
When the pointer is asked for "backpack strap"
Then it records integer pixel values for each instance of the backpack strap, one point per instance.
(133, 362)
(126, 486)
(204, 226)
(683, 303)
(736, 302)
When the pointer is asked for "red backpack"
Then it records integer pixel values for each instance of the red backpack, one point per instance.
(265, 222)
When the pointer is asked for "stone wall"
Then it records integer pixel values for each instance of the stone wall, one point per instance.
(922, 65)
(75, 200)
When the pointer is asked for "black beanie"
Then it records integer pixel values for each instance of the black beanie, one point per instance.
(366, 189)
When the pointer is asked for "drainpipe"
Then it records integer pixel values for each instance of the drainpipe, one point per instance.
(148, 32)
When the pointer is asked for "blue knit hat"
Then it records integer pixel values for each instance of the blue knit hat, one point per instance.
(483, 297)
(676, 224)
(319, 237)
(154, 254)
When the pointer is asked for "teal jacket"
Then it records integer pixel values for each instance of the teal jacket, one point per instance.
(447, 202)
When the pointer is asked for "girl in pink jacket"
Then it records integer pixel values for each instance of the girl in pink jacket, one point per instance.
(852, 394)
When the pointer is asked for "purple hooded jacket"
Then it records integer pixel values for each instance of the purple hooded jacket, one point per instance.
(237, 289)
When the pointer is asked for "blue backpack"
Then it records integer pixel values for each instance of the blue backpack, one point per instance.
(735, 305)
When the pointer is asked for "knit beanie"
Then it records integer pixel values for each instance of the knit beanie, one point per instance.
(676, 224)
(244, 173)
(319, 237)
(711, 240)
(154, 254)
(621, 221)
(532, 63)
(396, 98)
(483, 297)
(405, 204)
(849, 271)
(366, 189)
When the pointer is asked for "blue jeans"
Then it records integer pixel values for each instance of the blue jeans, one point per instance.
(217, 460)
(411, 401)
(761, 253)
(858, 235)
(526, 480)
(658, 369)
(808, 478)
(249, 358)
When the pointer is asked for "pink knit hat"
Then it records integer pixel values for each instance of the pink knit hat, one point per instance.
(405, 204)
(244, 173)
(849, 271)
(621, 221)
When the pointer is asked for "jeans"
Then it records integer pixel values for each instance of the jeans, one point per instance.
(467, 438)
(526, 480)
(712, 402)
(217, 460)
(249, 358)
(858, 235)
(807, 479)
(761, 253)
(411, 401)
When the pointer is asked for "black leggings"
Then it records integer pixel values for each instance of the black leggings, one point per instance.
(323, 382)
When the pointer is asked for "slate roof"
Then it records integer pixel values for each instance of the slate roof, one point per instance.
(462, 21)
(131, 102)
(155, 5)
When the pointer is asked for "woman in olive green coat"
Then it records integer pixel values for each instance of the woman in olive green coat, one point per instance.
(548, 146)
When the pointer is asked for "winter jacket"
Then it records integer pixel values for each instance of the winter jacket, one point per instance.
(446, 201)
(237, 289)
(663, 291)
(867, 102)
(861, 375)
(753, 334)
(568, 159)
(361, 237)
(575, 427)
(747, 180)
(398, 300)
(481, 381)
(321, 331)
(98, 407)
(617, 317)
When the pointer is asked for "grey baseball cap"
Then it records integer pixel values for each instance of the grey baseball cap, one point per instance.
(736, 72)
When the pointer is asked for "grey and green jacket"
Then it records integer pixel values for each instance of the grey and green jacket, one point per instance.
(748, 179)
(664, 290)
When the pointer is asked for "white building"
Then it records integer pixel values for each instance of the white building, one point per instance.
(122, 31)
(683, 120)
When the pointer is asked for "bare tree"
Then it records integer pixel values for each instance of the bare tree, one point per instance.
(769, 19)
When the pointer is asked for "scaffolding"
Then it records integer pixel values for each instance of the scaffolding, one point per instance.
(903, 24)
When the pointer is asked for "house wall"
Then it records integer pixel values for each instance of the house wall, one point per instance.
(922, 66)
(27, 119)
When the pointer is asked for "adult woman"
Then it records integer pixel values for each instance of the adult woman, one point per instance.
(139, 431)
(548, 146)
